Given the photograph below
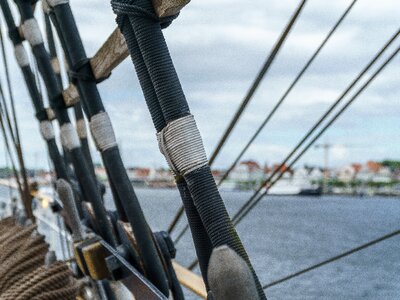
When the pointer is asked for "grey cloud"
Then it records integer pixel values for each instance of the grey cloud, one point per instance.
(218, 48)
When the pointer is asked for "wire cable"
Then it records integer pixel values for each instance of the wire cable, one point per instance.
(8, 150)
(239, 216)
(309, 133)
(287, 92)
(256, 198)
(249, 96)
(14, 132)
(332, 259)
(257, 81)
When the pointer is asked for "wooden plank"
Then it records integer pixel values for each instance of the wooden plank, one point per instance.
(107, 58)
(165, 8)
(190, 280)
(110, 55)
(115, 50)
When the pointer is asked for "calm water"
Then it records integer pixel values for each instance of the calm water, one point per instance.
(285, 234)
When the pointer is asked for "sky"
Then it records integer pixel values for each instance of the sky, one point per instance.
(218, 48)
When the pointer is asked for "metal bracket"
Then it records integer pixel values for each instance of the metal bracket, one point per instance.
(90, 257)
(135, 282)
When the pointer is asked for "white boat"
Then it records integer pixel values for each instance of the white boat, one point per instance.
(289, 186)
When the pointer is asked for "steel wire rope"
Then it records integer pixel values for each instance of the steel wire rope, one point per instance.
(267, 64)
(287, 92)
(332, 259)
(255, 198)
(8, 150)
(14, 129)
(277, 105)
(238, 217)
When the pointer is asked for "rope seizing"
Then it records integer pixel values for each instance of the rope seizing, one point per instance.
(14, 133)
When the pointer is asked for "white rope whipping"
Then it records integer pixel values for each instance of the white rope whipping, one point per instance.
(32, 32)
(21, 56)
(69, 137)
(181, 144)
(46, 129)
(81, 128)
(102, 131)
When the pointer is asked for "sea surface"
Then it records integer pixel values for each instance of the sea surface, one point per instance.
(284, 234)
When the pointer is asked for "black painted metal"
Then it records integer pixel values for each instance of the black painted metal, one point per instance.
(136, 283)
(168, 252)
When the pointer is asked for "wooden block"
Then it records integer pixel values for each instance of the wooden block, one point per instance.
(115, 50)
(166, 8)
(50, 114)
(70, 95)
(109, 56)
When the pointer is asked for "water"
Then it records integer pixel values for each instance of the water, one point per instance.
(285, 234)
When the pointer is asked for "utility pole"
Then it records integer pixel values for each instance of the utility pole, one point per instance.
(326, 147)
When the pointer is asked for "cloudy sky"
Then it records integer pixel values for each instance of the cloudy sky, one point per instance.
(218, 48)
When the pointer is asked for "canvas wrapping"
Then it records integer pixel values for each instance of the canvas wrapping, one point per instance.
(69, 137)
(181, 144)
(32, 32)
(21, 55)
(46, 129)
